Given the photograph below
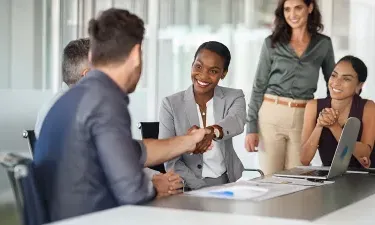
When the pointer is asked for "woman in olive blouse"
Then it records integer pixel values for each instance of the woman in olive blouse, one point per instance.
(286, 78)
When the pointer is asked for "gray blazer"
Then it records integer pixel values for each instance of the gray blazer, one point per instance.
(178, 113)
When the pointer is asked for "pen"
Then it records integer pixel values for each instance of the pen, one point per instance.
(223, 193)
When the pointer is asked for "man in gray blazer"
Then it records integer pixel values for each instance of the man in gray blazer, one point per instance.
(205, 103)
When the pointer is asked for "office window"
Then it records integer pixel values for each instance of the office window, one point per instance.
(353, 32)
(22, 24)
(340, 23)
(242, 25)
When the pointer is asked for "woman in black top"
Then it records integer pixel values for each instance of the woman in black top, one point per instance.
(287, 76)
(325, 118)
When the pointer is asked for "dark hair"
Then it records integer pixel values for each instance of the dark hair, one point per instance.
(358, 65)
(75, 60)
(218, 48)
(113, 34)
(282, 32)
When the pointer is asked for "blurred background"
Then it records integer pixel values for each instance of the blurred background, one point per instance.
(34, 32)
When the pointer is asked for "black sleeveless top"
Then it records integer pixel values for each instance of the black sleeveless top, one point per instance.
(328, 143)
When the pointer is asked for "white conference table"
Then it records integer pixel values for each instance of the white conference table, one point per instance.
(145, 215)
(358, 213)
(351, 200)
(311, 204)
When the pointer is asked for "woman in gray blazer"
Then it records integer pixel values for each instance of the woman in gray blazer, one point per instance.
(205, 104)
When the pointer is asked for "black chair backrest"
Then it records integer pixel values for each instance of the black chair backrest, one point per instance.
(150, 130)
(21, 176)
(31, 138)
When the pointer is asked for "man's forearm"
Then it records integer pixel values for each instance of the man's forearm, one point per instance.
(160, 151)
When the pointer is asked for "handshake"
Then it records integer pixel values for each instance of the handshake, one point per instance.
(204, 142)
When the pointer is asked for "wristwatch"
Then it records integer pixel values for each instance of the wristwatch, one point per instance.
(217, 133)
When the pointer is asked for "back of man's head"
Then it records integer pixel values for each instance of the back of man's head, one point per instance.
(75, 60)
(113, 34)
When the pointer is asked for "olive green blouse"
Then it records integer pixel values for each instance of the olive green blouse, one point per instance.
(281, 72)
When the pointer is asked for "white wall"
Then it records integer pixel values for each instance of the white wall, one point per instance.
(21, 44)
(5, 43)
(21, 76)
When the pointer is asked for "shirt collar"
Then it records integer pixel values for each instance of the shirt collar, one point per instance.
(106, 79)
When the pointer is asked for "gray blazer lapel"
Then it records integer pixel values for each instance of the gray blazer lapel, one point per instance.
(219, 104)
(191, 107)
(219, 107)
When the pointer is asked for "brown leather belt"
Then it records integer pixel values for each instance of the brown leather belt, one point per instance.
(289, 104)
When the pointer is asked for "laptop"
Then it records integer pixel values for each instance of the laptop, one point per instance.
(341, 159)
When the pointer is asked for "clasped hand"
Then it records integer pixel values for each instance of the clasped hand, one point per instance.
(328, 117)
(166, 184)
(206, 143)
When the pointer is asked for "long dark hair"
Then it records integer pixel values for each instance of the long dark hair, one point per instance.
(359, 67)
(282, 32)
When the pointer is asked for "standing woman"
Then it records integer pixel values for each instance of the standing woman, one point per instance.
(286, 78)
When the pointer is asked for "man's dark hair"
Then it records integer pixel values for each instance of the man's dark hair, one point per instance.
(113, 34)
(75, 60)
(218, 48)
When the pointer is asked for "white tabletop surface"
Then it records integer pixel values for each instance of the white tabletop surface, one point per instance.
(361, 212)
(144, 215)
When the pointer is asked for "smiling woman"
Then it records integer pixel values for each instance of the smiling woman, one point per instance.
(205, 104)
(325, 118)
(286, 78)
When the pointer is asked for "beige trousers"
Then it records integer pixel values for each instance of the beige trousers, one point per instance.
(280, 128)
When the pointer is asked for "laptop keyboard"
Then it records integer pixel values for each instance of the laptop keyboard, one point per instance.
(316, 173)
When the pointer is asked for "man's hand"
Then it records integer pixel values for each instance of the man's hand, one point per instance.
(206, 142)
(252, 142)
(167, 184)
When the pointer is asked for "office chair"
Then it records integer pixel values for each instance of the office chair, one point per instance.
(150, 130)
(31, 139)
(21, 176)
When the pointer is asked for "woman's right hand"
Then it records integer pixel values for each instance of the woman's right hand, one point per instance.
(327, 117)
(251, 142)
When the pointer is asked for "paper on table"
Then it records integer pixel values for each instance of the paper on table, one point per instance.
(293, 181)
(255, 190)
(276, 189)
(238, 192)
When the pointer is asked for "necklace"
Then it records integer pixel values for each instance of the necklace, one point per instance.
(203, 114)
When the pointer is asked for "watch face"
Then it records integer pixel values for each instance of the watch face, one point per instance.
(217, 133)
